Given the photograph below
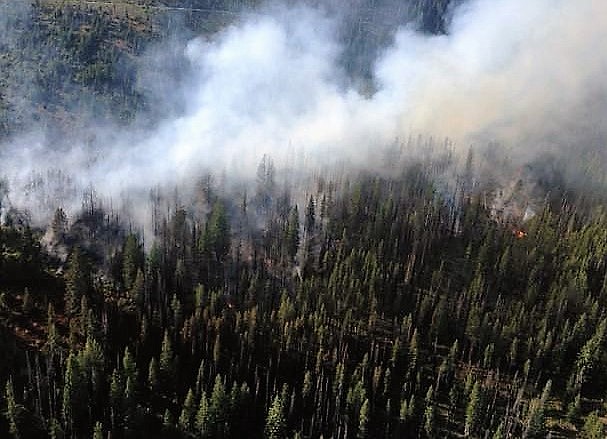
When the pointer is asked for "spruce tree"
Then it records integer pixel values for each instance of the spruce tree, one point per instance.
(473, 410)
(218, 406)
(202, 420)
(188, 411)
(363, 421)
(11, 409)
(593, 427)
(76, 281)
(275, 421)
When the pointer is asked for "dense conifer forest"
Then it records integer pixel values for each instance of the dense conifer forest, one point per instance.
(365, 305)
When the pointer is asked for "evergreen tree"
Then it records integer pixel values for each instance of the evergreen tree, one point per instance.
(98, 431)
(166, 358)
(11, 409)
(218, 407)
(129, 366)
(590, 356)
(593, 427)
(202, 421)
(275, 421)
(219, 232)
(310, 220)
(153, 375)
(430, 414)
(137, 292)
(292, 233)
(473, 410)
(499, 432)
(188, 411)
(70, 390)
(363, 420)
(536, 418)
(131, 261)
(115, 399)
(76, 281)
(52, 338)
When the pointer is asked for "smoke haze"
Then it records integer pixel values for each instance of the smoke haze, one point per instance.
(529, 76)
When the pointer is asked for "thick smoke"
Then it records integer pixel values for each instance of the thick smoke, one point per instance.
(518, 72)
(526, 75)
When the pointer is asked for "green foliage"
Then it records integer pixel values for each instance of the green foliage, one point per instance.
(363, 421)
(430, 420)
(219, 232)
(400, 315)
(98, 431)
(275, 421)
(203, 421)
(218, 407)
(593, 427)
(76, 281)
(188, 411)
(591, 356)
(54, 429)
(131, 261)
(153, 372)
(129, 366)
(166, 356)
(12, 409)
(473, 410)
(70, 392)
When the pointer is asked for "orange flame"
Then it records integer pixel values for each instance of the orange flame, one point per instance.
(520, 234)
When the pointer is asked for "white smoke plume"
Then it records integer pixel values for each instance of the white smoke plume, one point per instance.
(530, 75)
(512, 71)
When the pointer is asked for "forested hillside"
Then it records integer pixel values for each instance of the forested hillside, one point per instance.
(423, 299)
(67, 62)
(376, 308)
